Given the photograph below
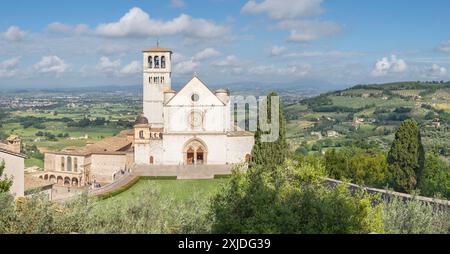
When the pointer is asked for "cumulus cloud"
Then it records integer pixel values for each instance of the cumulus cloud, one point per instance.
(132, 68)
(137, 23)
(57, 27)
(8, 68)
(115, 67)
(13, 33)
(277, 51)
(107, 65)
(436, 71)
(186, 67)
(292, 15)
(444, 47)
(388, 65)
(51, 64)
(308, 30)
(284, 9)
(230, 60)
(177, 4)
(206, 54)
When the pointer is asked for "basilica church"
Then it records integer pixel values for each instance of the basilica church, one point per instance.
(190, 127)
(185, 128)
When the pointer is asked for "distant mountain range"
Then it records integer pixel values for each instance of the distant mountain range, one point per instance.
(253, 87)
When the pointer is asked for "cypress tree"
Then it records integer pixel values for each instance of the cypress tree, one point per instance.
(406, 157)
(271, 154)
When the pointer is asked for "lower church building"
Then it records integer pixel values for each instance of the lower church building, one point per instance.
(186, 128)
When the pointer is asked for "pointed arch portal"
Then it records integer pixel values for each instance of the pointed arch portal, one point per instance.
(195, 152)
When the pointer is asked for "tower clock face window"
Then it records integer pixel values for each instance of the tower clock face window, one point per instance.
(195, 97)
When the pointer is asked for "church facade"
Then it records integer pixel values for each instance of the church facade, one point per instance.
(190, 127)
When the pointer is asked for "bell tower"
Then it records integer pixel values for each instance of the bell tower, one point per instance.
(157, 80)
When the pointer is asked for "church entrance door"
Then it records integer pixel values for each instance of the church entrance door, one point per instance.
(199, 156)
(195, 153)
(190, 156)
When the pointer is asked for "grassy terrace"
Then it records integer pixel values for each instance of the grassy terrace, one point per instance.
(179, 190)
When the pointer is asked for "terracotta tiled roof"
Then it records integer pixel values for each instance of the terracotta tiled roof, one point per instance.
(118, 143)
(32, 182)
(12, 138)
(157, 49)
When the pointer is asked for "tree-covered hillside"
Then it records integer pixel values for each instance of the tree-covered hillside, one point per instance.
(371, 113)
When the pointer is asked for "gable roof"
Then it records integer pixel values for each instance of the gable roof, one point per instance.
(13, 153)
(189, 82)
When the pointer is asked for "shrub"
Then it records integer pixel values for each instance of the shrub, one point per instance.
(415, 217)
(291, 199)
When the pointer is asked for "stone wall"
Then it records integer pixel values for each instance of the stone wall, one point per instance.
(14, 167)
(386, 195)
(238, 148)
(104, 166)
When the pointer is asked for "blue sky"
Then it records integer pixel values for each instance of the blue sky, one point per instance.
(347, 42)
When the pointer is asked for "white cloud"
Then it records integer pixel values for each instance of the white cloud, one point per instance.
(388, 65)
(111, 49)
(177, 4)
(284, 9)
(295, 70)
(444, 47)
(8, 68)
(277, 51)
(107, 65)
(185, 67)
(230, 60)
(206, 54)
(14, 34)
(49, 64)
(137, 23)
(57, 27)
(132, 68)
(177, 57)
(308, 30)
(333, 53)
(436, 71)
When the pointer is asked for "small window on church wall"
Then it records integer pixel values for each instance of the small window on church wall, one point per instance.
(150, 62)
(141, 134)
(156, 61)
(75, 164)
(195, 97)
(163, 62)
(62, 164)
(69, 164)
(150, 80)
(162, 79)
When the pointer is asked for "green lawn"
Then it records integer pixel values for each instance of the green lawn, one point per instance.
(30, 162)
(179, 190)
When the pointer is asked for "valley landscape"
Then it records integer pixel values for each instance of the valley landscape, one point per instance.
(232, 119)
